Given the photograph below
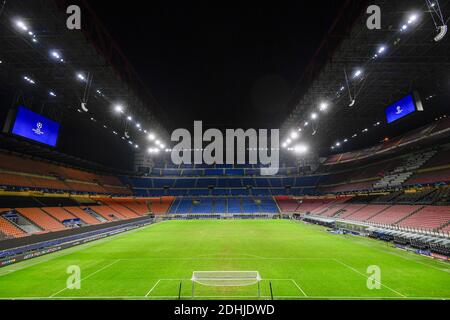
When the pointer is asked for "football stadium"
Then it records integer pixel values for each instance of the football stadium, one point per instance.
(233, 155)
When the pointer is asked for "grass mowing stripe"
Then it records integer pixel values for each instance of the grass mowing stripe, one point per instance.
(277, 249)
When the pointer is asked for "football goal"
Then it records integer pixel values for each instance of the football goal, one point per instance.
(226, 279)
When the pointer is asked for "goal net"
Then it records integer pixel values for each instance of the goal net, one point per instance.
(226, 279)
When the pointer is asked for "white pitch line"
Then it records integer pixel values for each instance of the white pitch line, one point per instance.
(365, 276)
(48, 257)
(299, 288)
(152, 288)
(225, 297)
(87, 277)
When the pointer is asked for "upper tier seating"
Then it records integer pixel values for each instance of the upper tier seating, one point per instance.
(420, 133)
(430, 177)
(19, 171)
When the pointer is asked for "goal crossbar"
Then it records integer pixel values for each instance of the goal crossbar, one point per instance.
(226, 278)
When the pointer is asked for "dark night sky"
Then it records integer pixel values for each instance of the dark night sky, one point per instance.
(230, 64)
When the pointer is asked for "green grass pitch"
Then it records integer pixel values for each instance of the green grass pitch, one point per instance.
(300, 261)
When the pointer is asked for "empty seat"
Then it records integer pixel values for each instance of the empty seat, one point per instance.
(41, 219)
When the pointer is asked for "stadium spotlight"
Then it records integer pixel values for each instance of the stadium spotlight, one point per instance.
(162, 146)
(323, 106)
(338, 144)
(306, 123)
(118, 109)
(381, 50)
(158, 142)
(153, 150)
(284, 145)
(55, 54)
(21, 25)
(51, 93)
(129, 118)
(357, 73)
(365, 130)
(29, 80)
(294, 135)
(314, 116)
(288, 141)
(404, 27)
(301, 149)
(81, 77)
(412, 18)
(151, 137)
(138, 125)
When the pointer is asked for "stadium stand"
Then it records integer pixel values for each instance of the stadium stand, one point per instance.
(41, 219)
(107, 213)
(59, 214)
(8, 229)
(430, 217)
(83, 215)
(19, 171)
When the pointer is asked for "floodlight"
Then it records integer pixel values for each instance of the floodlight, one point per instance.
(118, 109)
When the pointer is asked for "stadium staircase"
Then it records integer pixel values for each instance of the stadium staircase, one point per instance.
(405, 170)
(22, 222)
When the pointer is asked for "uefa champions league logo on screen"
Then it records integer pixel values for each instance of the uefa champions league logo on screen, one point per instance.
(38, 129)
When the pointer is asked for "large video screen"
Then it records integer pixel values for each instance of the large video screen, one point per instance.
(33, 126)
(401, 109)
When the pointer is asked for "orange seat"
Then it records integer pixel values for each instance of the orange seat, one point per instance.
(77, 212)
(41, 219)
(58, 213)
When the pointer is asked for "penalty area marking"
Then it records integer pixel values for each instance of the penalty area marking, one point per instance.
(87, 277)
(299, 288)
(365, 276)
(153, 288)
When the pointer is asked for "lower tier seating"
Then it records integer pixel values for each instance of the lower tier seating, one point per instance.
(430, 217)
(219, 205)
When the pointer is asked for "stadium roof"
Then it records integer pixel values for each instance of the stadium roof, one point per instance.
(382, 66)
(72, 67)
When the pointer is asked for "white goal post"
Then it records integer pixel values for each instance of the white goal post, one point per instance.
(226, 279)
